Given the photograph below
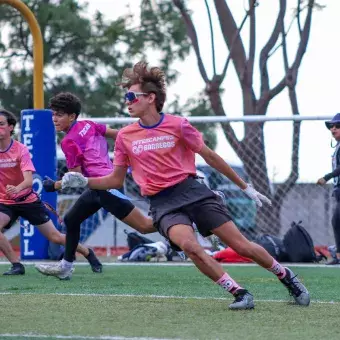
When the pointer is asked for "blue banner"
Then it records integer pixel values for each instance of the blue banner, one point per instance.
(38, 134)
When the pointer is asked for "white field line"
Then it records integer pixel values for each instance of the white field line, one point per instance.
(177, 264)
(45, 336)
(159, 297)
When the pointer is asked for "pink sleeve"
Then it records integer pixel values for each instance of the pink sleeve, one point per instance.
(191, 136)
(100, 128)
(26, 161)
(73, 153)
(120, 156)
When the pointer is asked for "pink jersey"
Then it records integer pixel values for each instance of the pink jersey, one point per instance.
(85, 145)
(13, 162)
(160, 156)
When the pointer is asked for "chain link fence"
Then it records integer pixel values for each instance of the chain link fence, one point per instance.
(265, 157)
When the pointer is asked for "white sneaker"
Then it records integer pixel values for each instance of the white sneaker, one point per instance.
(55, 269)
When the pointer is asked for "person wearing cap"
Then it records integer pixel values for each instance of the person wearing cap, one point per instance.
(334, 127)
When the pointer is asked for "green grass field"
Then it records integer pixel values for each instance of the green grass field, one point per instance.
(165, 302)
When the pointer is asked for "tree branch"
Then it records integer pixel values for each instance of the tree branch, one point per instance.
(298, 11)
(284, 46)
(252, 43)
(231, 37)
(12, 55)
(294, 173)
(290, 77)
(217, 106)
(64, 49)
(212, 37)
(237, 33)
(191, 31)
(304, 37)
(264, 54)
(286, 34)
(24, 40)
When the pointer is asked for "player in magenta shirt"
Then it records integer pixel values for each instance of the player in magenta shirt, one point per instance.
(17, 198)
(160, 149)
(85, 146)
(86, 151)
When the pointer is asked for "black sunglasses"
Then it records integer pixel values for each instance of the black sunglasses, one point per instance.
(331, 125)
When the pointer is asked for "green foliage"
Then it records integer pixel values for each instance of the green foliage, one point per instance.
(87, 56)
(83, 55)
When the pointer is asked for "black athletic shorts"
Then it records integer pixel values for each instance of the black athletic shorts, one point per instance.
(186, 203)
(35, 213)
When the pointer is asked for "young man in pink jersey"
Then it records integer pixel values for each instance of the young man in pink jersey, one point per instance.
(160, 149)
(86, 151)
(17, 198)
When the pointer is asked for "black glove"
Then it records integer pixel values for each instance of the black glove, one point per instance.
(48, 184)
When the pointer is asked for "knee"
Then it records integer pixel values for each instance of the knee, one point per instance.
(70, 222)
(146, 226)
(67, 220)
(142, 228)
(4, 222)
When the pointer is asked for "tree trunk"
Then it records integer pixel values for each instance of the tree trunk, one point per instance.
(268, 219)
(254, 161)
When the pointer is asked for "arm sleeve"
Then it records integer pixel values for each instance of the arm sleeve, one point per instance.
(73, 154)
(120, 155)
(26, 163)
(192, 138)
(100, 128)
(332, 174)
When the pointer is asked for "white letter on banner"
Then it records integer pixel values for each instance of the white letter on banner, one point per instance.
(37, 182)
(27, 139)
(28, 229)
(26, 251)
(27, 119)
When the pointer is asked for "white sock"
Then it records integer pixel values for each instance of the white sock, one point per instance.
(66, 264)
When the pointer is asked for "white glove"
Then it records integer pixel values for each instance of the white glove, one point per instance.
(256, 196)
(74, 180)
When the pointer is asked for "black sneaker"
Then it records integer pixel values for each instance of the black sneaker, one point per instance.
(96, 266)
(16, 269)
(243, 300)
(296, 288)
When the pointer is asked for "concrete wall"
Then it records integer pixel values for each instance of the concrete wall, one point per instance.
(313, 205)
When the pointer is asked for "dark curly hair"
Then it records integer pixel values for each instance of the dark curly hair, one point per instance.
(65, 102)
(151, 80)
(10, 117)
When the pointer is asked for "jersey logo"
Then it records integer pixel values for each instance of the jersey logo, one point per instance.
(8, 163)
(85, 129)
(153, 143)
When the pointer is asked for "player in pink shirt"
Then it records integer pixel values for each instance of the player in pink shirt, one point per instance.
(86, 151)
(17, 198)
(160, 150)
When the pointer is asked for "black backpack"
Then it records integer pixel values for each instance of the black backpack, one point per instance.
(299, 244)
(135, 239)
(274, 246)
